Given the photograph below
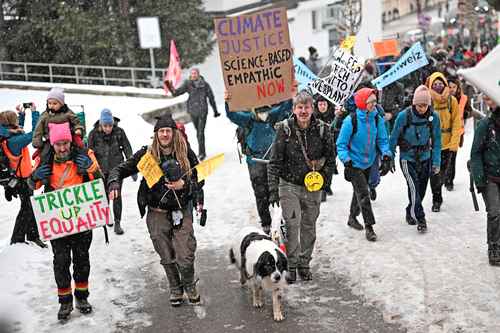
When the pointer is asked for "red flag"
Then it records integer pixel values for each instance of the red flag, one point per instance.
(173, 72)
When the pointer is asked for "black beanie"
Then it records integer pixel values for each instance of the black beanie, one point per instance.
(165, 121)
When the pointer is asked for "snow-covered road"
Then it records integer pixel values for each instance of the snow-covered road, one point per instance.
(437, 282)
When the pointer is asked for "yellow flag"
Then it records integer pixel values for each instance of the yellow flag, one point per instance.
(150, 169)
(348, 42)
(208, 166)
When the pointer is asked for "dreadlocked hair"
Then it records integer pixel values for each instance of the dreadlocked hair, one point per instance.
(179, 149)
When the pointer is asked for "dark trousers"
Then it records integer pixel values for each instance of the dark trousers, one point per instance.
(491, 197)
(360, 202)
(438, 179)
(72, 248)
(117, 202)
(417, 176)
(199, 122)
(374, 178)
(451, 172)
(25, 225)
(258, 177)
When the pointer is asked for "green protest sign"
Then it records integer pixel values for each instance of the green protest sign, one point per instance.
(71, 210)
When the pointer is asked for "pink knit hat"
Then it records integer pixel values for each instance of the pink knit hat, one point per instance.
(422, 95)
(58, 132)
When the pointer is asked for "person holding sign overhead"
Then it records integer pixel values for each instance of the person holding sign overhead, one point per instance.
(70, 166)
(168, 190)
(302, 162)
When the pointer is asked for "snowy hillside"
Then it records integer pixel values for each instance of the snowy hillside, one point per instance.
(437, 282)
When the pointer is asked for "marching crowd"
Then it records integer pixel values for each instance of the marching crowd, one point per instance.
(289, 149)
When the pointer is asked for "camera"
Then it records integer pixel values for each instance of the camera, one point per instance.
(28, 106)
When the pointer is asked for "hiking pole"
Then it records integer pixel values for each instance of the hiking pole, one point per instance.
(471, 188)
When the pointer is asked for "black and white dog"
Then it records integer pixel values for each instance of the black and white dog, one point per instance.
(263, 264)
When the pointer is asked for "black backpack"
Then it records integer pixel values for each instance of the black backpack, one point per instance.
(404, 145)
(242, 133)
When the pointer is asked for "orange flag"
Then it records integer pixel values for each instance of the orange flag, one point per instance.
(173, 72)
(386, 48)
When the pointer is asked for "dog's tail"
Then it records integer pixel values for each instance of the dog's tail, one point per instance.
(232, 258)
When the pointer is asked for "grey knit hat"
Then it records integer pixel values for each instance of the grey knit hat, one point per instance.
(57, 94)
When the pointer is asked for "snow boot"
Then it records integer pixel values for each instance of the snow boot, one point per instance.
(354, 223)
(189, 284)
(373, 194)
(410, 220)
(65, 311)
(422, 225)
(291, 275)
(174, 282)
(494, 254)
(370, 234)
(305, 273)
(83, 306)
(449, 187)
(436, 207)
(118, 229)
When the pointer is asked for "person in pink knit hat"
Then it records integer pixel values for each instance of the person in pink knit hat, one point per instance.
(417, 133)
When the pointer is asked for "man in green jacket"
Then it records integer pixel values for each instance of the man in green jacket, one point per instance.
(485, 166)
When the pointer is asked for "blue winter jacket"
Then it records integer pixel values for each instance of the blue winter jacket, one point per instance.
(361, 147)
(261, 135)
(16, 142)
(416, 134)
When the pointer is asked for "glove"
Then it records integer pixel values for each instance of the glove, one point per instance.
(348, 171)
(435, 170)
(481, 189)
(83, 161)
(135, 177)
(41, 173)
(216, 114)
(274, 198)
(386, 166)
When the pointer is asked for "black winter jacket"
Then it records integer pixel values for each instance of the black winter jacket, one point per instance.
(287, 160)
(109, 149)
(150, 197)
(199, 91)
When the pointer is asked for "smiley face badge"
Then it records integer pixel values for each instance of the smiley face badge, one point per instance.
(313, 181)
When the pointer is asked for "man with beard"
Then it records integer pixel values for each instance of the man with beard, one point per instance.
(199, 91)
(302, 150)
(447, 108)
(485, 167)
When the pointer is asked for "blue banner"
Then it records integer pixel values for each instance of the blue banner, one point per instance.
(303, 74)
(412, 60)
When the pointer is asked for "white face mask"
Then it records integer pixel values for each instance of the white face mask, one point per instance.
(262, 116)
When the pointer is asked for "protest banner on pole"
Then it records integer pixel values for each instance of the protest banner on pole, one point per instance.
(256, 58)
(149, 168)
(303, 74)
(412, 60)
(485, 75)
(346, 72)
(71, 210)
(384, 48)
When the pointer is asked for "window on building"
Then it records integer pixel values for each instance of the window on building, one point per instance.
(314, 18)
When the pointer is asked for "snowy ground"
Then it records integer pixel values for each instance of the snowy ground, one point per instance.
(438, 282)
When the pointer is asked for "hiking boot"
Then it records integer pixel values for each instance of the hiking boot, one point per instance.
(410, 220)
(176, 297)
(39, 242)
(118, 229)
(436, 207)
(64, 311)
(192, 293)
(373, 194)
(305, 274)
(422, 225)
(354, 223)
(370, 234)
(291, 276)
(449, 187)
(266, 228)
(83, 306)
